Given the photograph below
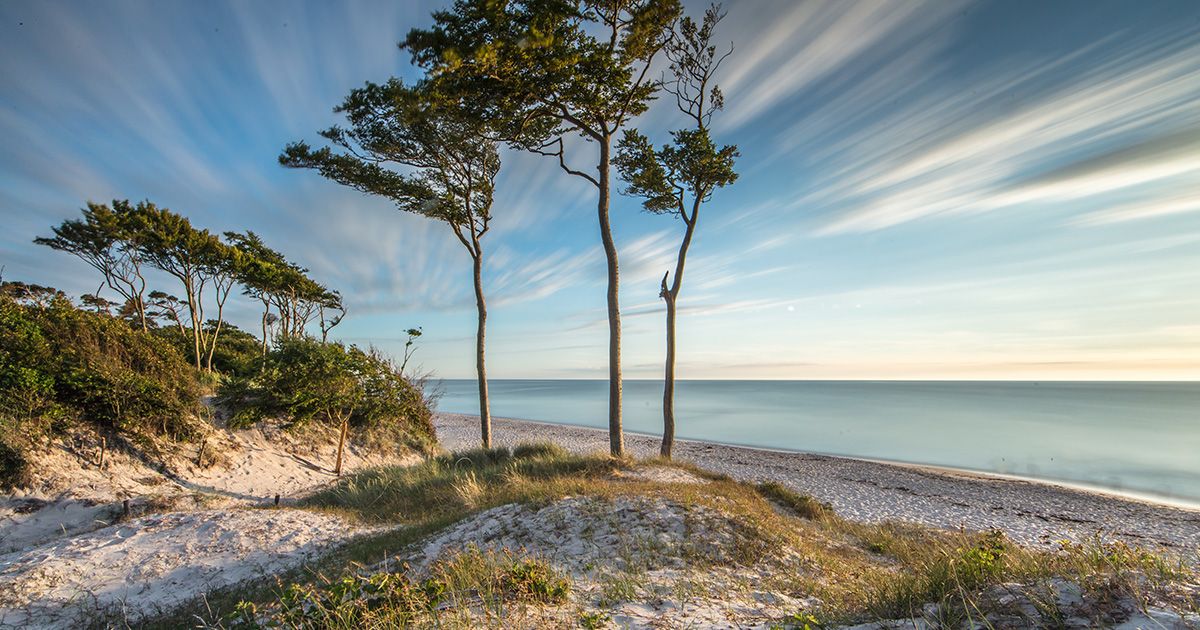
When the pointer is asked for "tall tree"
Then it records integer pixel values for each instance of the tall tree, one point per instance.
(105, 239)
(678, 178)
(543, 71)
(449, 172)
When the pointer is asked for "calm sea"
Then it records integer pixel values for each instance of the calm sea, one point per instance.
(1138, 438)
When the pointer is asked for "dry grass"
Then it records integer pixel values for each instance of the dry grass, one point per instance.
(790, 544)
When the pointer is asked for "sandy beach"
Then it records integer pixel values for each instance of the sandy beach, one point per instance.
(1028, 511)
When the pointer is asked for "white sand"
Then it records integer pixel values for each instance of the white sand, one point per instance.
(71, 494)
(1028, 511)
(67, 553)
(154, 563)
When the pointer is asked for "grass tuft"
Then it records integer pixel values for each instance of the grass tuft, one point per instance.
(803, 505)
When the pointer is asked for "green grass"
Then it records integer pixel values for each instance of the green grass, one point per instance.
(860, 572)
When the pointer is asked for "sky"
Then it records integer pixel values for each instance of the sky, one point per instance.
(927, 190)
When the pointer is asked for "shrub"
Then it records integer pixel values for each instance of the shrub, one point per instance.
(237, 353)
(304, 381)
(470, 584)
(61, 365)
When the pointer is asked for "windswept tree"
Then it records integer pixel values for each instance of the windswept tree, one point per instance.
(170, 243)
(427, 156)
(221, 264)
(331, 312)
(678, 178)
(410, 346)
(105, 239)
(545, 71)
(260, 273)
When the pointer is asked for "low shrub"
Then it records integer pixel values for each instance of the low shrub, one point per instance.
(60, 365)
(471, 582)
(304, 381)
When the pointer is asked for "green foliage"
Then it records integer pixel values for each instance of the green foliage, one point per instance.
(238, 354)
(108, 239)
(490, 580)
(60, 364)
(539, 69)
(302, 381)
(692, 164)
(449, 164)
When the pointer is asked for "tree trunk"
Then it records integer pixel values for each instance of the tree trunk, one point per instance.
(141, 300)
(616, 439)
(668, 438)
(212, 349)
(670, 295)
(191, 298)
(266, 311)
(485, 412)
(337, 468)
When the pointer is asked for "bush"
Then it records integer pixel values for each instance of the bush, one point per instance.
(61, 365)
(304, 381)
(458, 591)
(238, 352)
(13, 466)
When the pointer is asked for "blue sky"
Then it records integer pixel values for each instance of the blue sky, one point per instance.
(928, 190)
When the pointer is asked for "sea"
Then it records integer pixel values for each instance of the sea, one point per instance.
(1140, 439)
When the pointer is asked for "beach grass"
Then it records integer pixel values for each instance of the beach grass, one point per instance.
(795, 545)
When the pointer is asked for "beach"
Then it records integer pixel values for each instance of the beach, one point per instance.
(1030, 512)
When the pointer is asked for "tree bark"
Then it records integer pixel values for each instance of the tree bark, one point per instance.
(337, 468)
(616, 438)
(192, 307)
(668, 438)
(266, 311)
(485, 413)
(212, 349)
(670, 295)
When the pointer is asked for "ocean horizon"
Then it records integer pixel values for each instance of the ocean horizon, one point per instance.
(1138, 438)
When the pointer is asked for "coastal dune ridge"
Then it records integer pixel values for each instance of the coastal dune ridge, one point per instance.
(1029, 511)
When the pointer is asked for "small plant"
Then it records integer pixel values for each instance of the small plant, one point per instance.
(593, 619)
(460, 585)
(801, 621)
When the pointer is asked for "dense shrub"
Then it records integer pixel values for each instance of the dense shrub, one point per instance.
(304, 381)
(237, 352)
(61, 365)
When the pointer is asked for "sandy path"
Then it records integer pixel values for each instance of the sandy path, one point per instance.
(73, 495)
(1028, 511)
(154, 563)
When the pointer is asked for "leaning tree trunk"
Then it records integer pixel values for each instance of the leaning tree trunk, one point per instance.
(485, 413)
(337, 468)
(616, 439)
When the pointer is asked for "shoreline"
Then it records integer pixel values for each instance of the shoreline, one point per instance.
(1148, 498)
(1033, 511)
